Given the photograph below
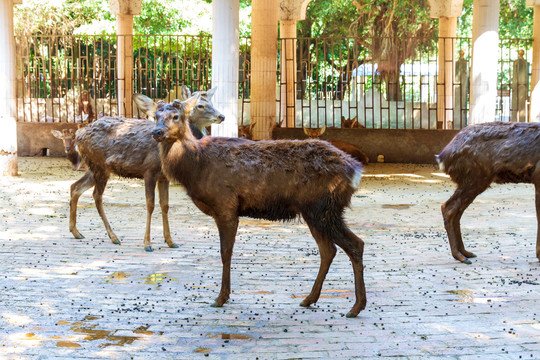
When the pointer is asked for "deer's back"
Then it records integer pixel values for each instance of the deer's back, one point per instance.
(503, 152)
(265, 179)
(122, 146)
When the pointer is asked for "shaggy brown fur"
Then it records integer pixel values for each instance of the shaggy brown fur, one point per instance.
(483, 154)
(274, 180)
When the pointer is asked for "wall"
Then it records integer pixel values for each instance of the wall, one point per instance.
(397, 146)
(400, 146)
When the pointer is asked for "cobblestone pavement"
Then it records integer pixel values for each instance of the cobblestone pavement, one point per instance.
(63, 298)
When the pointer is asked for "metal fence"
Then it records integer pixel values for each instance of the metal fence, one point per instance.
(319, 81)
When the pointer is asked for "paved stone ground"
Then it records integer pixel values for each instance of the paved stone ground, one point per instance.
(62, 298)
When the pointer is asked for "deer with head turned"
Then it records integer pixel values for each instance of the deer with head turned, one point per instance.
(488, 153)
(264, 179)
(350, 149)
(68, 139)
(125, 147)
(86, 110)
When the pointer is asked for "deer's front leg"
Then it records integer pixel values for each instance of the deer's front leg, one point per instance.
(163, 188)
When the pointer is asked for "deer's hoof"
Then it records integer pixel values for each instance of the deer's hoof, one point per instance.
(305, 303)
(466, 261)
(116, 242)
(351, 314)
(80, 236)
(216, 304)
(174, 246)
(148, 249)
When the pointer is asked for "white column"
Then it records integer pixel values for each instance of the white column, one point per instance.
(535, 65)
(8, 124)
(225, 52)
(485, 39)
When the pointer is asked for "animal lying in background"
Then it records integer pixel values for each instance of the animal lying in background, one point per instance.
(125, 147)
(351, 123)
(350, 149)
(488, 153)
(231, 177)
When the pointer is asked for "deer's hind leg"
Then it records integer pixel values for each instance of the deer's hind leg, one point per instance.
(150, 192)
(327, 252)
(354, 248)
(452, 211)
(77, 189)
(100, 181)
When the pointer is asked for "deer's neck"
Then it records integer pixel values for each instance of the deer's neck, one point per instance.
(180, 160)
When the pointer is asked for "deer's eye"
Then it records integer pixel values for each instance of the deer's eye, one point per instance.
(200, 106)
(175, 117)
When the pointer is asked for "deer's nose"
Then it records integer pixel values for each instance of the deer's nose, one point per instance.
(157, 134)
(221, 117)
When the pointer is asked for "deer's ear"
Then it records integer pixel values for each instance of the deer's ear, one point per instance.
(305, 130)
(145, 104)
(211, 93)
(57, 134)
(190, 103)
(185, 93)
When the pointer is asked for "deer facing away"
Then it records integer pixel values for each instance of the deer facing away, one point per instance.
(483, 154)
(263, 179)
(125, 147)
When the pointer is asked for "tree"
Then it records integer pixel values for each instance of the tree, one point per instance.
(393, 31)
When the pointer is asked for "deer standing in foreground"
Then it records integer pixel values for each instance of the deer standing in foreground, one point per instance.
(350, 149)
(125, 147)
(480, 155)
(231, 177)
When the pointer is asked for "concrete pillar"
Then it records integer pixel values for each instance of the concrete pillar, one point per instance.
(264, 24)
(125, 10)
(535, 64)
(8, 121)
(485, 40)
(225, 52)
(445, 96)
(288, 72)
(447, 11)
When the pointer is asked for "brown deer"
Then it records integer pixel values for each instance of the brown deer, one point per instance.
(125, 147)
(85, 107)
(231, 177)
(68, 139)
(351, 123)
(480, 155)
(246, 131)
(350, 149)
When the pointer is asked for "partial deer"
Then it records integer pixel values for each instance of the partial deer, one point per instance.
(351, 123)
(68, 139)
(231, 177)
(125, 147)
(350, 149)
(86, 111)
(480, 155)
